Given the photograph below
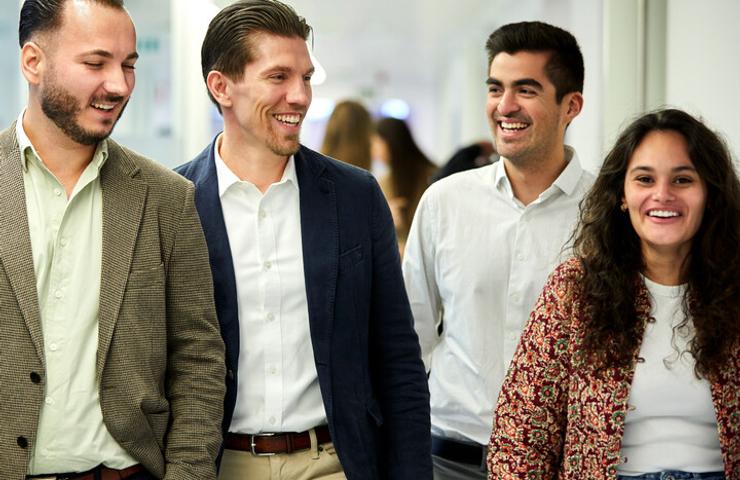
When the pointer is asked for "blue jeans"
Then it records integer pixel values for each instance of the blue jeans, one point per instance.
(675, 475)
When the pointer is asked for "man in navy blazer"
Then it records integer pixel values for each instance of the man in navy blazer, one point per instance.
(324, 374)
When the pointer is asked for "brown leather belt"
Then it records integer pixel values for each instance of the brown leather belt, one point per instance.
(104, 472)
(273, 443)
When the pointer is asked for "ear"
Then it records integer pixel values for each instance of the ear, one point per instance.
(574, 104)
(33, 61)
(218, 85)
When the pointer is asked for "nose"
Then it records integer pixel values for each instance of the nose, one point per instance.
(119, 81)
(663, 192)
(299, 93)
(507, 103)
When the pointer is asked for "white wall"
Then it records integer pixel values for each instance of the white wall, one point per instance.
(703, 65)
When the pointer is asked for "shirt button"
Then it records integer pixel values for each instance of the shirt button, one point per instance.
(58, 294)
(272, 370)
(515, 297)
(268, 265)
(263, 214)
(63, 242)
(57, 192)
(49, 401)
(520, 257)
(53, 347)
(270, 317)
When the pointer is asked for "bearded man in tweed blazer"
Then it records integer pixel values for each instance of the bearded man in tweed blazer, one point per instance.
(111, 362)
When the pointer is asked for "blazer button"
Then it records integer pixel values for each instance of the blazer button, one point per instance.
(35, 377)
(230, 374)
(22, 442)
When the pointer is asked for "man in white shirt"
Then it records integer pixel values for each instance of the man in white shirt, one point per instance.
(325, 378)
(483, 241)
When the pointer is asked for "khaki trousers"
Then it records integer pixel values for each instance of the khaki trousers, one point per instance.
(318, 462)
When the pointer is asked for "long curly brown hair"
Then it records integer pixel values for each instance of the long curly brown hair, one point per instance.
(609, 249)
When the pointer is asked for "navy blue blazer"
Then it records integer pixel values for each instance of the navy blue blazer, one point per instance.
(367, 354)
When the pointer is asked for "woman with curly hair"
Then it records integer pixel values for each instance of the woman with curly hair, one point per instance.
(629, 366)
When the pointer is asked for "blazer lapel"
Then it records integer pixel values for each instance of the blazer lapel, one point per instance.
(123, 204)
(320, 236)
(208, 204)
(15, 239)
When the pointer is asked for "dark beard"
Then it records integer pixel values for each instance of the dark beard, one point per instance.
(62, 109)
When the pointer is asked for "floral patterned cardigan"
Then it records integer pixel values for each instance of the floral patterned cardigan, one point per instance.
(559, 418)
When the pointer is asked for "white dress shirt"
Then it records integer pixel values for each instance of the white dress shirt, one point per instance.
(476, 259)
(672, 425)
(278, 386)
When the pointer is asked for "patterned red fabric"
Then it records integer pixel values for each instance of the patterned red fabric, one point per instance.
(558, 417)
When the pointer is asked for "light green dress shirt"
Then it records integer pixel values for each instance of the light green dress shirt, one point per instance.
(66, 238)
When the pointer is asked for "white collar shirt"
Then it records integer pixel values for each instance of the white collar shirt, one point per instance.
(476, 259)
(278, 387)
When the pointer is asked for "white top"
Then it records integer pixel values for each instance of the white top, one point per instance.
(66, 240)
(477, 258)
(278, 387)
(671, 424)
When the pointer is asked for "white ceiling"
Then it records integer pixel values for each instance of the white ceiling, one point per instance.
(370, 43)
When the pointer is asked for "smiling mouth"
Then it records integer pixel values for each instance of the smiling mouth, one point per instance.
(105, 107)
(508, 126)
(290, 120)
(663, 213)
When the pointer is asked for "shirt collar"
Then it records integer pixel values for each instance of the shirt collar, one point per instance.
(28, 151)
(567, 181)
(226, 178)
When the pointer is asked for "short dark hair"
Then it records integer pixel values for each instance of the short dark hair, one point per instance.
(46, 16)
(565, 66)
(227, 44)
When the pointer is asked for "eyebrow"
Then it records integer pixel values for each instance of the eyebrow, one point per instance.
(107, 54)
(284, 69)
(524, 82)
(679, 169)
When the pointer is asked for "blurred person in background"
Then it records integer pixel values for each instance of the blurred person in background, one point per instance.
(478, 154)
(348, 134)
(409, 172)
(629, 366)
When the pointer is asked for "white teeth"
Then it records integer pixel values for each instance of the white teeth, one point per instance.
(100, 106)
(290, 119)
(662, 213)
(513, 126)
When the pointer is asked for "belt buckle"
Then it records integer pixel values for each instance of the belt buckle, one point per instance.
(252, 444)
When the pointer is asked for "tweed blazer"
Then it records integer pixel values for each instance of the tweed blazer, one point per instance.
(160, 359)
(560, 418)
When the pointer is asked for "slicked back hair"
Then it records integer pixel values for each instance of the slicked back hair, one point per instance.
(565, 66)
(227, 46)
(39, 16)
